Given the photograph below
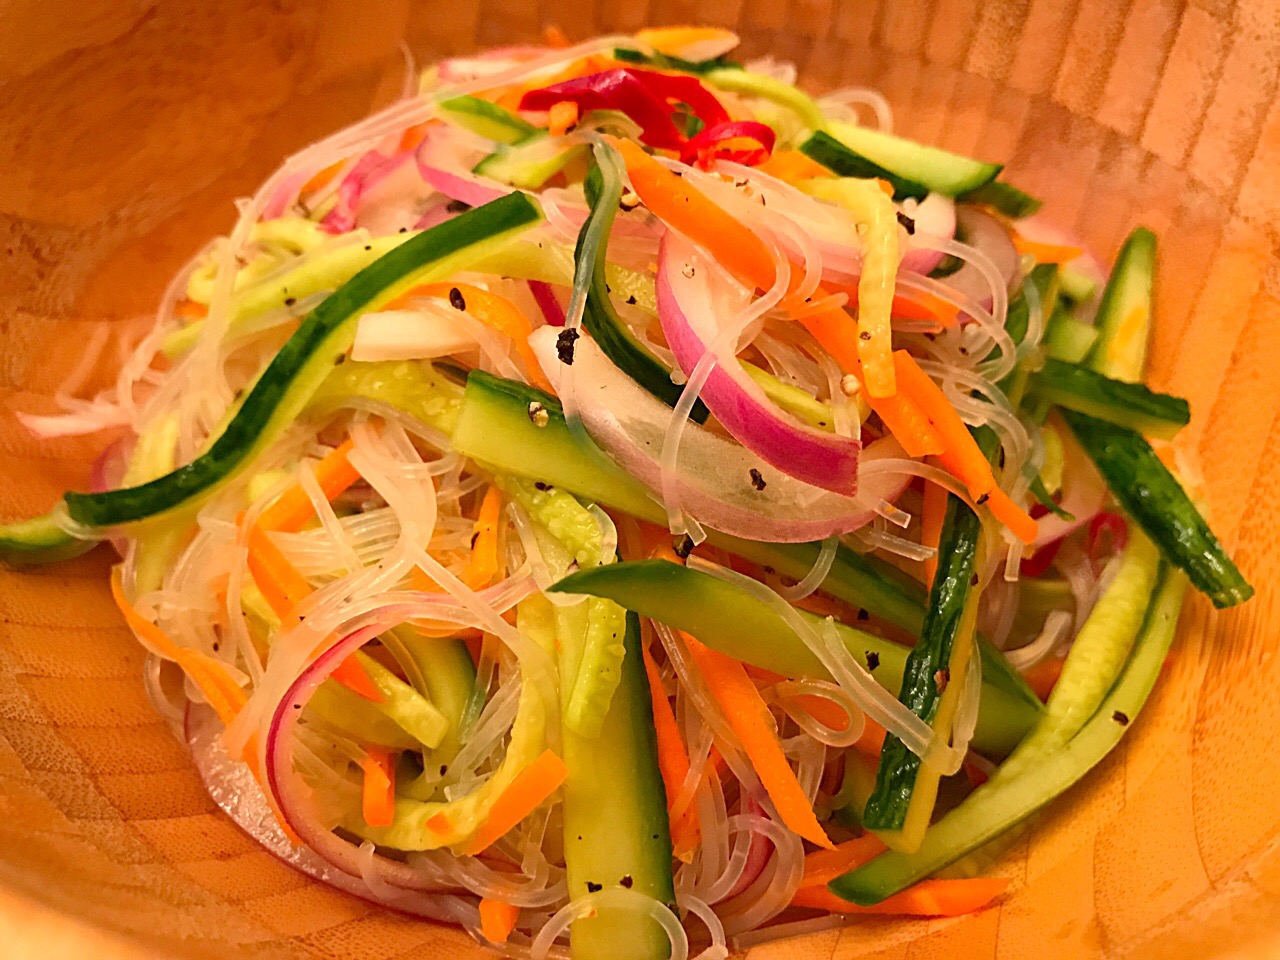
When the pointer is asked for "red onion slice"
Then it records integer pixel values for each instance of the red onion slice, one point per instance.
(233, 789)
(715, 479)
(1084, 492)
(693, 295)
(988, 235)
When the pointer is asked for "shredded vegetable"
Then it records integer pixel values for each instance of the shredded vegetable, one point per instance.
(487, 397)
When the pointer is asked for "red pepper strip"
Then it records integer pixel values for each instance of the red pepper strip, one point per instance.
(711, 143)
(643, 95)
(1107, 524)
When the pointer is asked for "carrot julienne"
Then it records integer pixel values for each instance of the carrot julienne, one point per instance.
(531, 786)
(928, 898)
(378, 796)
(748, 716)
(497, 919)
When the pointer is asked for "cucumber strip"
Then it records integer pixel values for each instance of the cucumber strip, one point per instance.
(1097, 655)
(900, 807)
(616, 832)
(283, 390)
(728, 619)
(1006, 799)
(1067, 338)
(448, 674)
(604, 191)
(665, 61)
(41, 540)
(1124, 315)
(358, 718)
(487, 119)
(758, 85)
(1044, 280)
(496, 429)
(1130, 405)
(1004, 198)
(1077, 286)
(530, 163)
(1154, 498)
(912, 168)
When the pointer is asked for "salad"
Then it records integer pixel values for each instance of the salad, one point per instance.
(622, 505)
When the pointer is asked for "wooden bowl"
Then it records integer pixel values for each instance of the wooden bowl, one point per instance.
(127, 127)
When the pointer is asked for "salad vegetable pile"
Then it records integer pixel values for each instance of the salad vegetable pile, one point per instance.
(616, 502)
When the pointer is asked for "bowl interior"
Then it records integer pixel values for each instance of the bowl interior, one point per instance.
(127, 128)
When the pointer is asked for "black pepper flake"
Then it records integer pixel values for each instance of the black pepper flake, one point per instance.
(404, 230)
(964, 351)
(863, 615)
(455, 299)
(290, 301)
(368, 247)
(593, 887)
(631, 300)
(297, 706)
(457, 206)
(216, 646)
(873, 659)
(340, 359)
(608, 289)
(1121, 718)
(474, 537)
(768, 569)
(626, 881)
(931, 337)
(907, 223)
(539, 485)
(822, 423)
(444, 768)
(973, 581)
(983, 499)
(757, 480)
(682, 546)
(564, 346)
(238, 394)
(942, 678)
(1000, 456)
(864, 335)
(687, 271)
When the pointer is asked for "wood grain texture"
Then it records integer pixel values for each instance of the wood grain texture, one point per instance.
(126, 130)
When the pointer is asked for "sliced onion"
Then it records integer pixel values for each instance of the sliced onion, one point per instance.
(693, 293)
(934, 219)
(990, 237)
(369, 170)
(715, 477)
(1084, 492)
(232, 787)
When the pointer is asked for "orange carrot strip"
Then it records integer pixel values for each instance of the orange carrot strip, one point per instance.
(553, 36)
(284, 588)
(352, 675)
(278, 579)
(322, 178)
(962, 456)
(1046, 252)
(1043, 676)
(493, 311)
(928, 898)
(497, 919)
(793, 166)
(190, 310)
(1023, 525)
(932, 514)
(378, 797)
(527, 791)
(293, 508)
(413, 136)
(749, 718)
(676, 203)
(823, 866)
(482, 566)
(218, 687)
(673, 759)
(561, 118)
